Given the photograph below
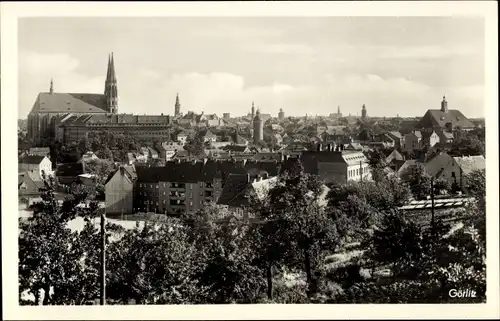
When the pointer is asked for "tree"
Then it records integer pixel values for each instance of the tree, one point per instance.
(305, 224)
(155, 264)
(195, 145)
(418, 179)
(467, 144)
(50, 254)
(397, 242)
(225, 244)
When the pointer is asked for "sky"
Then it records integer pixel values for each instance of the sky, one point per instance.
(305, 65)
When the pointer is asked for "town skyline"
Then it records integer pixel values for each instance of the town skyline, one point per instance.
(404, 68)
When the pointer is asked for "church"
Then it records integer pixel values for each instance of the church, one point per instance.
(68, 117)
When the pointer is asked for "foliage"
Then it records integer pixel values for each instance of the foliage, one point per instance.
(155, 264)
(51, 257)
(418, 179)
(467, 144)
(306, 225)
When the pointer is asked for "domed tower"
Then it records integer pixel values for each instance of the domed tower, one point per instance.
(110, 89)
(281, 114)
(363, 112)
(258, 128)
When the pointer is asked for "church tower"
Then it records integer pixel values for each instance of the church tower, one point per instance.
(177, 106)
(110, 89)
(253, 111)
(258, 128)
(444, 105)
(363, 112)
(51, 91)
(281, 115)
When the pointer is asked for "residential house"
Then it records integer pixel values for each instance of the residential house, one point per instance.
(168, 150)
(397, 137)
(430, 139)
(28, 185)
(38, 164)
(182, 137)
(403, 167)
(240, 188)
(445, 137)
(119, 190)
(209, 137)
(392, 156)
(413, 141)
(467, 165)
(67, 174)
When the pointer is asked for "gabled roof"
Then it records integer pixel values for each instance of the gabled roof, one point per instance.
(31, 159)
(32, 180)
(437, 118)
(470, 163)
(69, 103)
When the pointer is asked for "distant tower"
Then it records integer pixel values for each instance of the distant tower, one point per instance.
(258, 128)
(51, 86)
(444, 105)
(177, 106)
(339, 114)
(281, 114)
(363, 112)
(110, 89)
(253, 110)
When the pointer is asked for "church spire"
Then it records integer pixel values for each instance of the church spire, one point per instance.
(51, 86)
(111, 90)
(177, 105)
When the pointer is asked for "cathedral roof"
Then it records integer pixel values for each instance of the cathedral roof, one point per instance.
(69, 103)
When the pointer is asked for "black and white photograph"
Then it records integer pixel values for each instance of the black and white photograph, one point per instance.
(236, 159)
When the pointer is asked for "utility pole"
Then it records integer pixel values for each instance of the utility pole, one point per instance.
(432, 204)
(103, 259)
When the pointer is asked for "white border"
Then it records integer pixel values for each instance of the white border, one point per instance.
(10, 12)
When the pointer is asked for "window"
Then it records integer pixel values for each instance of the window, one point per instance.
(453, 174)
(150, 185)
(164, 193)
(164, 185)
(190, 203)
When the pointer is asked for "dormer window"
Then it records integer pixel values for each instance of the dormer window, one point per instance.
(442, 117)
